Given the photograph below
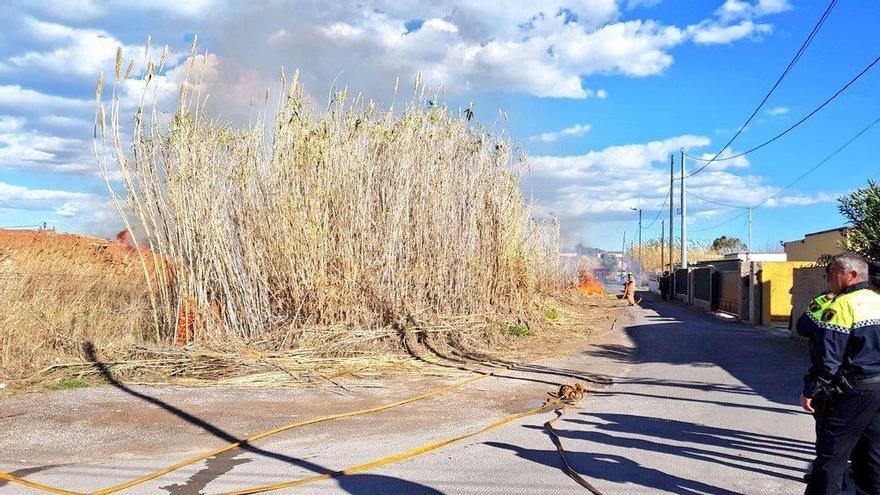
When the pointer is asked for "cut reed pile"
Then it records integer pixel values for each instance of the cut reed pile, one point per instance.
(333, 229)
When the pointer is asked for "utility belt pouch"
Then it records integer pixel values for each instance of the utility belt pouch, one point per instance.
(838, 387)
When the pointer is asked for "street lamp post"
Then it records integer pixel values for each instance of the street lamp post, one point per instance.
(640, 240)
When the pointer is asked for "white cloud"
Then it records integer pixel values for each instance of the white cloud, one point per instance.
(62, 121)
(22, 198)
(615, 160)
(9, 123)
(14, 96)
(737, 9)
(82, 52)
(776, 111)
(801, 200)
(40, 152)
(574, 131)
(69, 209)
(174, 8)
(722, 162)
(542, 48)
(80, 10)
(601, 94)
(589, 190)
(77, 10)
(713, 33)
(278, 37)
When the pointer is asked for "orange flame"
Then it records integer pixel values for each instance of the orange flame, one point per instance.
(588, 285)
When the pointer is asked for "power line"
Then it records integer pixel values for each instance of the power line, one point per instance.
(824, 160)
(722, 223)
(796, 124)
(717, 203)
(791, 64)
(798, 179)
(665, 200)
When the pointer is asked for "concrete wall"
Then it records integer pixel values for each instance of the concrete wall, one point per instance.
(808, 283)
(777, 280)
(811, 247)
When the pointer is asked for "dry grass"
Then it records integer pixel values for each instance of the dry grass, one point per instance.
(60, 291)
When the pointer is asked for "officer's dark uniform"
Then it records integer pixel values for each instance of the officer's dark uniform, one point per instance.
(845, 350)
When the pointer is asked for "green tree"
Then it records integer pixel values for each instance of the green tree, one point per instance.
(862, 209)
(726, 245)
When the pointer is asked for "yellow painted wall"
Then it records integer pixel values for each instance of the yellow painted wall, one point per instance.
(811, 247)
(777, 279)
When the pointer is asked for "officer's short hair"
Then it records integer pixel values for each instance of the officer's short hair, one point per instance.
(851, 262)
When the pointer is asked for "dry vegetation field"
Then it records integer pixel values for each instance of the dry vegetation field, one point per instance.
(317, 237)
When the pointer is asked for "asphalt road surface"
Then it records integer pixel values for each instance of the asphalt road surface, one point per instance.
(698, 406)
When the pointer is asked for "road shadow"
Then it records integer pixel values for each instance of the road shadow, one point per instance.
(768, 366)
(744, 451)
(616, 469)
(25, 472)
(357, 484)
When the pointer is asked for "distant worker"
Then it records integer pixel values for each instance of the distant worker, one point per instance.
(629, 289)
(842, 387)
(663, 285)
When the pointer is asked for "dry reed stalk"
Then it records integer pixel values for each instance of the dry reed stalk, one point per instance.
(351, 220)
(651, 251)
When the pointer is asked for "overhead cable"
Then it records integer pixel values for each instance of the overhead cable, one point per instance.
(658, 213)
(722, 223)
(791, 64)
(798, 179)
(796, 124)
(717, 203)
(824, 160)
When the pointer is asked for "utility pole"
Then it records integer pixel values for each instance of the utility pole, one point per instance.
(623, 251)
(640, 244)
(684, 256)
(752, 282)
(749, 247)
(662, 244)
(671, 207)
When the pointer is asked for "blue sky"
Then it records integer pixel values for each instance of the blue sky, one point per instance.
(598, 92)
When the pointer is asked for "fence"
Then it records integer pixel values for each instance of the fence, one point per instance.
(702, 287)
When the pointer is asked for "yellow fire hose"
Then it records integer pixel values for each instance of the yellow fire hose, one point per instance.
(200, 457)
(37, 486)
(551, 404)
(258, 436)
(384, 461)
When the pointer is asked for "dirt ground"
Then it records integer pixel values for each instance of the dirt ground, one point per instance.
(125, 422)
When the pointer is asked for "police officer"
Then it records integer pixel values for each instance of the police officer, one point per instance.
(844, 380)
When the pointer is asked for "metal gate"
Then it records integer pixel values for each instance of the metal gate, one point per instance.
(703, 283)
(729, 292)
(681, 281)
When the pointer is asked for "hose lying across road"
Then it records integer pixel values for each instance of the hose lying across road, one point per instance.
(558, 404)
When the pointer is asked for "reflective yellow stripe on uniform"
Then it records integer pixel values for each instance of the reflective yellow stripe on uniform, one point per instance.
(851, 310)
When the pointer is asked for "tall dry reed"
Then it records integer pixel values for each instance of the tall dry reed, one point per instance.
(651, 254)
(341, 217)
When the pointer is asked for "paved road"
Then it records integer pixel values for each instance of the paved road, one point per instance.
(699, 406)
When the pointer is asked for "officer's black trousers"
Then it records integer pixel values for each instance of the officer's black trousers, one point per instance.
(849, 423)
